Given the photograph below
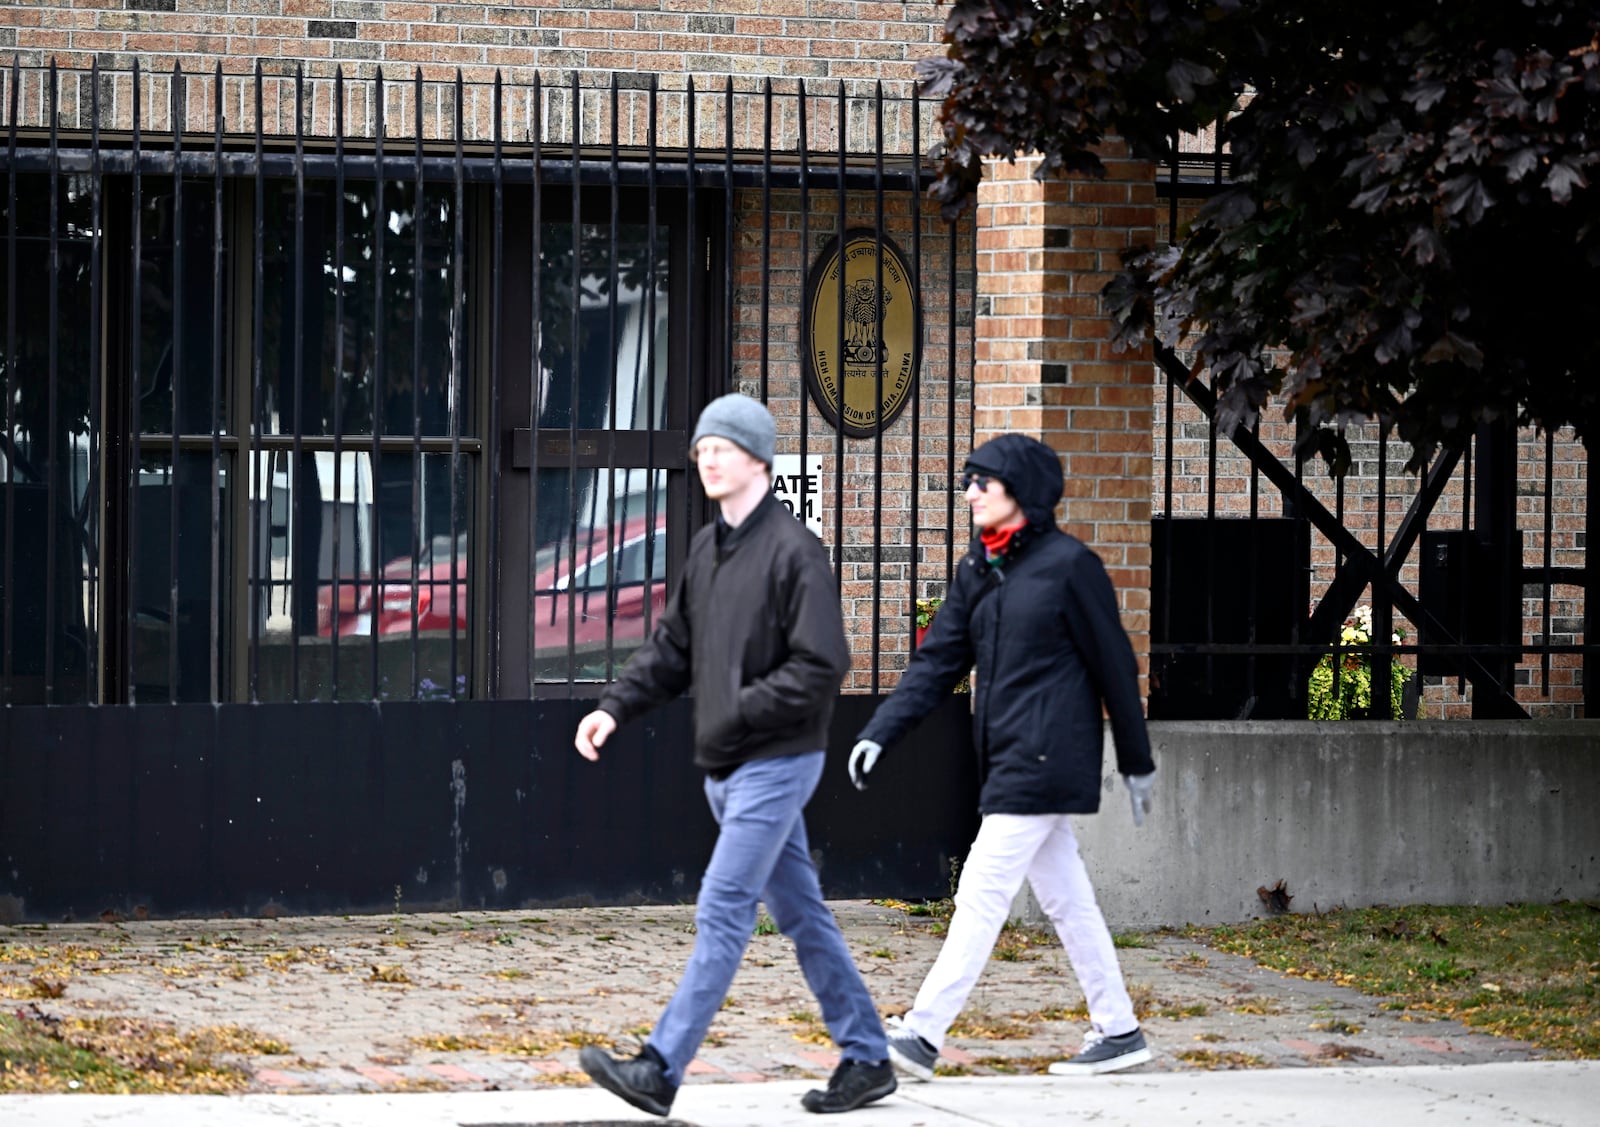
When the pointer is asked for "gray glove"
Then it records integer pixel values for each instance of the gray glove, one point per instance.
(862, 758)
(1141, 789)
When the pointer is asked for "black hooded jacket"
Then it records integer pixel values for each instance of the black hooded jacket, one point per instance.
(1045, 635)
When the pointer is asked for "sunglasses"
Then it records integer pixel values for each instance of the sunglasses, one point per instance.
(969, 478)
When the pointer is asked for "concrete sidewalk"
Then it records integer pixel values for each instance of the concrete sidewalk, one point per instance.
(476, 1018)
(1544, 1093)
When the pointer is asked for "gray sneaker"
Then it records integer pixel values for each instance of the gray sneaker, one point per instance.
(1104, 1054)
(909, 1053)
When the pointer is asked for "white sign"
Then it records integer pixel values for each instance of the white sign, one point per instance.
(799, 488)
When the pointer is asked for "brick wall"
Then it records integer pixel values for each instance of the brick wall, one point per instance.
(823, 42)
(1044, 365)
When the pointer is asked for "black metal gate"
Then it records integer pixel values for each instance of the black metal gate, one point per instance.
(345, 456)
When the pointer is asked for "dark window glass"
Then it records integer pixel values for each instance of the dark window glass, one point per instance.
(48, 495)
(172, 655)
(340, 361)
(178, 276)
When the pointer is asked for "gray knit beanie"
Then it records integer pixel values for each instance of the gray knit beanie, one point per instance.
(742, 421)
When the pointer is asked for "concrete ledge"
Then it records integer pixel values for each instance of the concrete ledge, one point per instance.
(1349, 813)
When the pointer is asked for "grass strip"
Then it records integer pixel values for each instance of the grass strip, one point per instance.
(1528, 971)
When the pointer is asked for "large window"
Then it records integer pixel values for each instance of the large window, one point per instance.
(243, 455)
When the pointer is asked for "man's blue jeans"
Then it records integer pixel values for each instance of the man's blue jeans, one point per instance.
(762, 855)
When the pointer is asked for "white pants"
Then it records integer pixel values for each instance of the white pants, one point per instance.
(1009, 847)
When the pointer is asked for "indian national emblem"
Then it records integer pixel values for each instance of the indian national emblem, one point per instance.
(864, 328)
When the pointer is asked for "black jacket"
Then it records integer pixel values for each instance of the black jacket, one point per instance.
(753, 628)
(1049, 646)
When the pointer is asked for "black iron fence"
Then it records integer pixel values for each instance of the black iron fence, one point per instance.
(1281, 592)
(381, 390)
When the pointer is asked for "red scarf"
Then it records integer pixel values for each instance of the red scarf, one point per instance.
(997, 540)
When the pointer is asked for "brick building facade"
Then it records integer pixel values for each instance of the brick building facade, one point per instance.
(1014, 334)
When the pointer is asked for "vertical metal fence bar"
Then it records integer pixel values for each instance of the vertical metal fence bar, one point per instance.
(419, 213)
(1382, 609)
(690, 324)
(766, 247)
(1549, 532)
(1171, 517)
(1301, 530)
(842, 230)
(298, 342)
(52, 470)
(573, 357)
(535, 345)
(334, 617)
(11, 377)
(418, 221)
(1171, 520)
(1211, 542)
(728, 317)
(914, 560)
(804, 144)
(134, 382)
(950, 414)
(214, 612)
(175, 422)
(457, 376)
(379, 221)
(258, 494)
(1255, 572)
(1338, 566)
(1466, 520)
(492, 446)
(96, 343)
(614, 538)
(650, 364)
(877, 438)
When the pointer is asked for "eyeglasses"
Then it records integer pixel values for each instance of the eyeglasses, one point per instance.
(969, 478)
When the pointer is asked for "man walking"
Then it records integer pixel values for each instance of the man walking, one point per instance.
(1035, 610)
(754, 628)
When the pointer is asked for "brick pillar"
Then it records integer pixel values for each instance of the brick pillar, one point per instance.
(1044, 364)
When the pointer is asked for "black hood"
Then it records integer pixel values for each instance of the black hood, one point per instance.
(1030, 469)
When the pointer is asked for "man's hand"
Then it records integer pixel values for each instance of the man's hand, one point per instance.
(862, 757)
(1141, 788)
(593, 730)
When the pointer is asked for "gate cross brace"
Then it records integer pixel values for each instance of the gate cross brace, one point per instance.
(1360, 562)
(1348, 581)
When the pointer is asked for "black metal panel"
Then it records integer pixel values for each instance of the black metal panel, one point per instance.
(1231, 610)
(202, 810)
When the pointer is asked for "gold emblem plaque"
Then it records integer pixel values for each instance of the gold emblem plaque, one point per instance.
(880, 330)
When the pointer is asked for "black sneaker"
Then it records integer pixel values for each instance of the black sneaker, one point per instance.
(642, 1081)
(1104, 1054)
(853, 1084)
(911, 1055)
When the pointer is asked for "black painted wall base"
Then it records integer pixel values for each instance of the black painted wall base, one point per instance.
(200, 810)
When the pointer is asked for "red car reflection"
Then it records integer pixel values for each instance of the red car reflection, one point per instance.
(560, 592)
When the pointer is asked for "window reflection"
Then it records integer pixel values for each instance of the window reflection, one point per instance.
(340, 363)
(623, 365)
(47, 488)
(600, 579)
